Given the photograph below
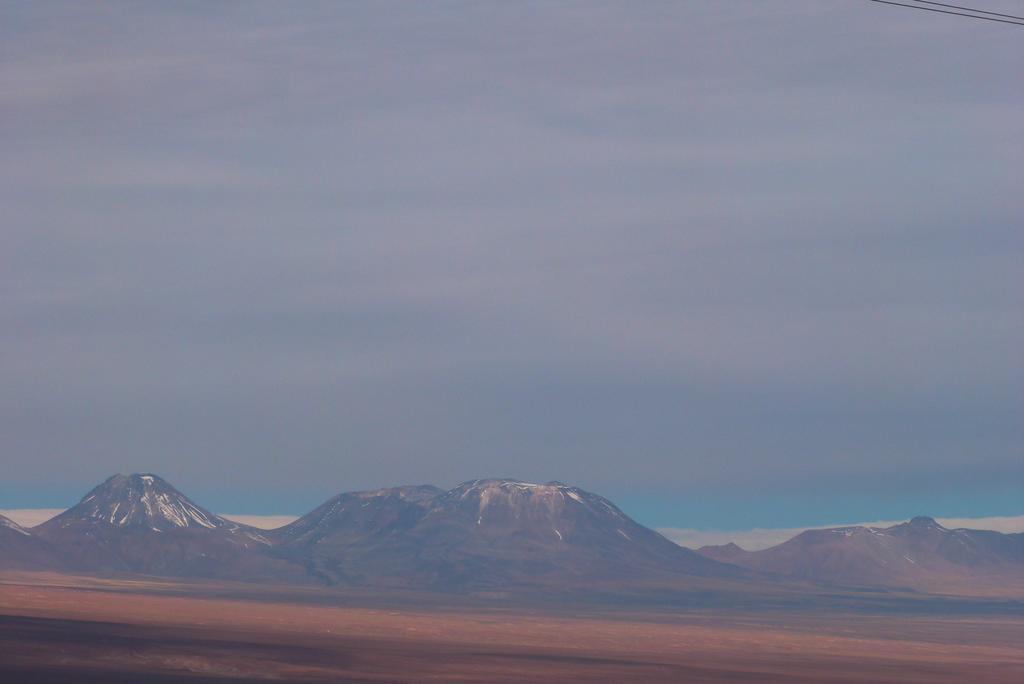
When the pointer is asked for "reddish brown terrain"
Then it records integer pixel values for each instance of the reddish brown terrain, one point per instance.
(56, 628)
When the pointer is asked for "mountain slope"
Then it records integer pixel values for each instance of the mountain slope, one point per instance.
(919, 554)
(484, 534)
(140, 523)
(350, 524)
(9, 526)
(20, 549)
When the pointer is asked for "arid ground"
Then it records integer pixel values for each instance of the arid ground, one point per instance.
(56, 629)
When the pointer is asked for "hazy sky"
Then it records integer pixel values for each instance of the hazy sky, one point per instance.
(732, 264)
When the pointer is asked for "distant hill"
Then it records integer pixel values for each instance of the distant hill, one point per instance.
(919, 554)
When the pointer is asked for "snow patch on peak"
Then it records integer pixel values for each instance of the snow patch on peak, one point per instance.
(144, 501)
(507, 484)
(11, 525)
(520, 484)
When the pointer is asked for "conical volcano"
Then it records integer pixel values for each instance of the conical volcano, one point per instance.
(140, 523)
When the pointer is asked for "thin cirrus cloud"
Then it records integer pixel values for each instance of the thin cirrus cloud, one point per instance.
(678, 249)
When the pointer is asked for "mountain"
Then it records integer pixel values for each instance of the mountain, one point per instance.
(350, 517)
(725, 553)
(9, 526)
(483, 535)
(141, 524)
(20, 549)
(919, 554)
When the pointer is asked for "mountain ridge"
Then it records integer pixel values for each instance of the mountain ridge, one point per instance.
(919, 554)
(486, 535)
(20, 549)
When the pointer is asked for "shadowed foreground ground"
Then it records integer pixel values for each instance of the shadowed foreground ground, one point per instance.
(51, 633)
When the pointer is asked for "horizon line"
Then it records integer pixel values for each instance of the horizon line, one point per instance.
(753, 539)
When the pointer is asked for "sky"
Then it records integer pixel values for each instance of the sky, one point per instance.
(733, 265)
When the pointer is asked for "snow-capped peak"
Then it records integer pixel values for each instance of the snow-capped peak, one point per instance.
(494, 499)
(129, 500)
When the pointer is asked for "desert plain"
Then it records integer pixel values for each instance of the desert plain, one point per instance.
(60, 628)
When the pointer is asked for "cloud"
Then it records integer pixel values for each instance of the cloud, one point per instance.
(695, 247)
(756, 539)
(264, 522)
(30, 517)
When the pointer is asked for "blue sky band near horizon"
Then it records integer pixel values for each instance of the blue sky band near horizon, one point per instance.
(721, 262)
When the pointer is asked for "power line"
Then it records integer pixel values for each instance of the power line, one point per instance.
(959, 14)
(969, 9)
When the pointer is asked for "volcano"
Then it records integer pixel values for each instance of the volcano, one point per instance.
(484, 534)
(141, 524)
